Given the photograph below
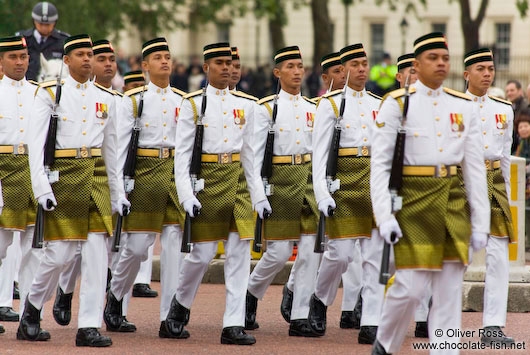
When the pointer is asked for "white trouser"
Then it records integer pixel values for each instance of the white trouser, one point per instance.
(57, 254)
(352, 280)
(496, 283)
(146, 268)
(7, 272)
(335, 262)
(70, 273)
(304, 272)
(18, 252)
(236, 270)
(408, 290)
(29, 262)
(422, 311)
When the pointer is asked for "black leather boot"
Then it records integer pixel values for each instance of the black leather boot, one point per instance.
(317, 315)
(29, 326)
(378, 349)
(143, 290)
(163, 332)
(236, 336)
(250, 312)
(7, 314)
(422, 330)
(287, 304)
(346, 320)
(301, 328)
(367, 334)
(91, 337)
(177, 317)
(494, 334)
(43, 335)
(358, 311)
(113, 313)
(62, 307)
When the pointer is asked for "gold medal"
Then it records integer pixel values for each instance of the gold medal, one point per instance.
(99, 114)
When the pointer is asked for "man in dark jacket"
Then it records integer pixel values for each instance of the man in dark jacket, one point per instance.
(43, 37)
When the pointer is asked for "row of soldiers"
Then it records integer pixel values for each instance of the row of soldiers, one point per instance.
(452, 140)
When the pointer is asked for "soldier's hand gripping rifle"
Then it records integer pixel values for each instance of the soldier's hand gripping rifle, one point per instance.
(195, 170)
(396, 180)
(129, 170)
(49, 158)
(331, 170)
(266, 173)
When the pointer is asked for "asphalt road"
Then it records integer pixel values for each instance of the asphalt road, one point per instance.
(206, 324)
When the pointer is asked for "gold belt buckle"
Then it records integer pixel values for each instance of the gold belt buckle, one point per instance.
(164, 153)
(488, 164)
(364, 151)
(298, 159)
(84, 152)
(442, 172)
(21, 149)
(225, 159)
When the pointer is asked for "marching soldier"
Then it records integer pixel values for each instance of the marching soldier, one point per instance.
(293, 207)
(104, 70)
(153, 200)
(235, 73)
(133, 79)
(353, 218)
(226, 212)
(18, 213)
(43, 38)
(496, 125)
(432, 230)
(406, 72)
(141, 288)
(80, 215)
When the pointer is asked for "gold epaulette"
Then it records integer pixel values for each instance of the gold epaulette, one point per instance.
(244, 95)
(265, 99)
(116, 92)
(374, 95)
(193, 94)
(101, 87)
(33, 82)
(457, 94)
(135, 90)
(397, 95)
(47, 84)
(309, 100)
(177, 91)
(498, 99)
(331, 93)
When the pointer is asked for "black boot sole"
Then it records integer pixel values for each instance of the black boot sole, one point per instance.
(346, 325)
(228, 341)
(79, 342)
(296, 333)
(184, 335)
(119, 330)
(365, 340)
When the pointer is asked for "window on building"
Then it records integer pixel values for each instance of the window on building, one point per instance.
(502, 44)
(223, 32)
(439, 27)
(377, 41)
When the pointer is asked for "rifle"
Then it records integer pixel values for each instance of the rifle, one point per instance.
(331, 170)
(195, 170)
(266, 173)
(49, 158)
(129, 170)
(396, 180)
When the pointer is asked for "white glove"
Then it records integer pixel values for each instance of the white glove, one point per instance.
(43, 199)
(478, 241)
(325, 204)
(189, 204)
(263, 206)
(388, 227)
(117, 206)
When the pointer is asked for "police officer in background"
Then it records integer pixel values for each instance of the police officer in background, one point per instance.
(43, 37)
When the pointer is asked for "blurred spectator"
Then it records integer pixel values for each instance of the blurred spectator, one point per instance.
(497, 92)
(313, 81)
(514, 93)
(528, 92)
(383, 75)
(135, 63)
(522, 125)
(195, 79)
(179, 77)
(246, 80)
(195, 62)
